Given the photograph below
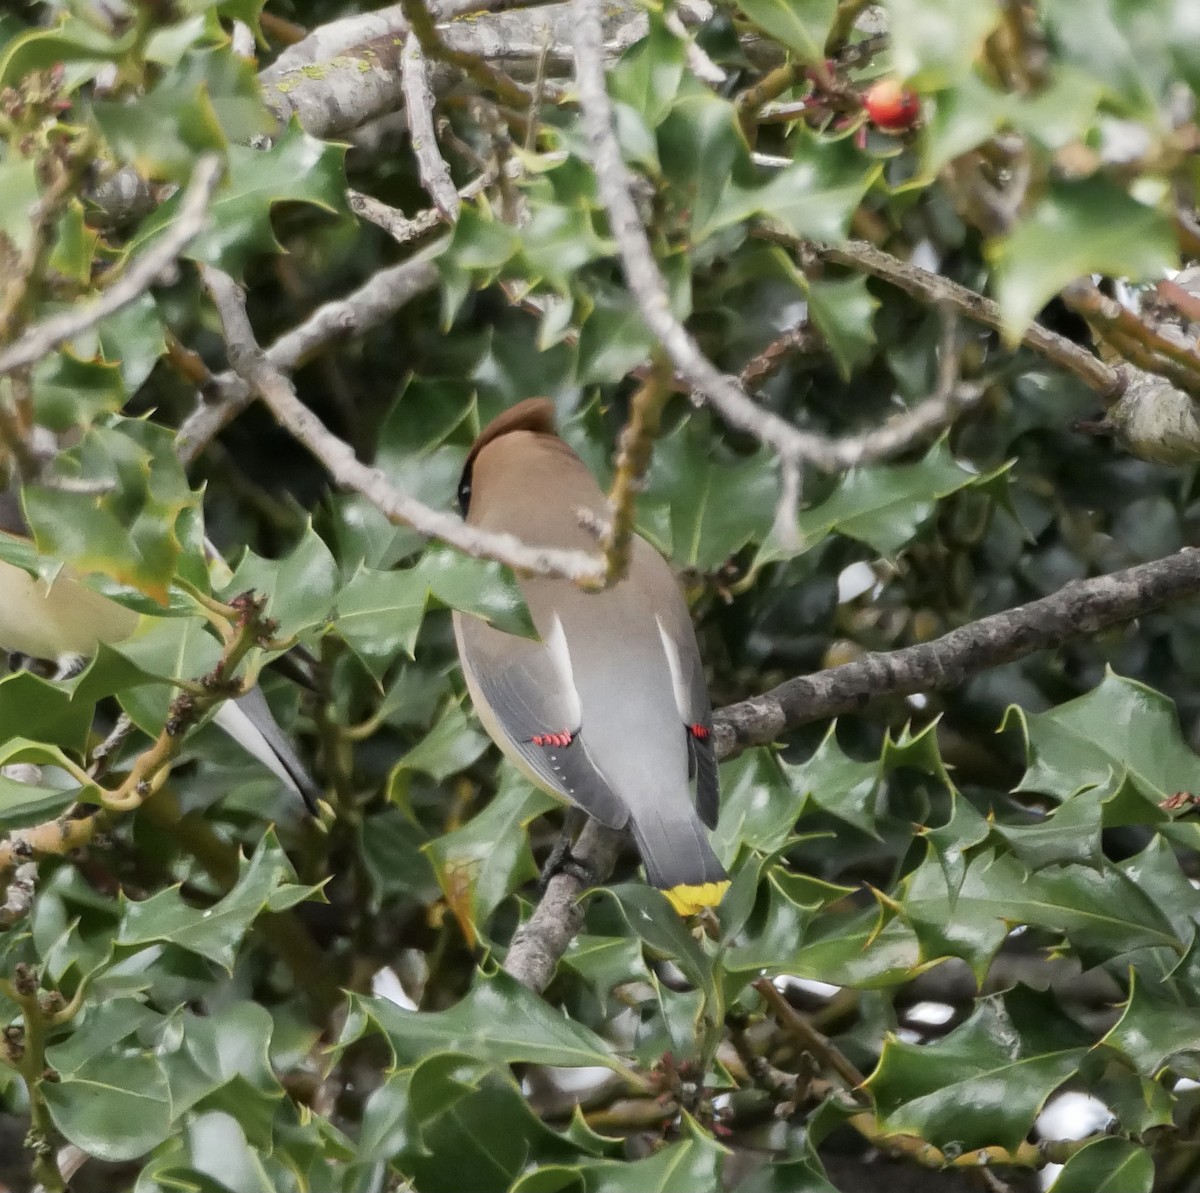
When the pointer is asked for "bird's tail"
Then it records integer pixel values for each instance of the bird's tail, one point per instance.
(678, 858)
(248, 720)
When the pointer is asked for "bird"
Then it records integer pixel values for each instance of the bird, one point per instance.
(63, 619)
(608, 707)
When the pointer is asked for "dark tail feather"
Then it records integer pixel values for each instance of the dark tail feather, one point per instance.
(676, 853)
(249, 722)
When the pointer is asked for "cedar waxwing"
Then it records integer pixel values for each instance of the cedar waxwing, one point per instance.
(609, 709)
(63, 618)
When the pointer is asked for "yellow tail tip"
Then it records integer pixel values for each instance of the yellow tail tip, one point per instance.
(688, 899)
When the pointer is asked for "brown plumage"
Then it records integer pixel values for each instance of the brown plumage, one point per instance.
(609, 709)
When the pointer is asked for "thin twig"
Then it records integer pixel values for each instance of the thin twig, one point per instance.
(145, 269)
(802, 338)
(1145, 345)
(376, 300)
(785, 525)
(30, 268)
(404, 229)
(435, 46)
(699, 63)
(649, 289)
(636, 445)
(418, 107)
(830, 1058)
(929, 287)
(264, 377)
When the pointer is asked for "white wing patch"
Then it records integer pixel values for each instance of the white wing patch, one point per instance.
(560, 658)
(682, 696)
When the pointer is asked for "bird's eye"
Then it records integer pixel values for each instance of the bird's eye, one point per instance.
(464, 493)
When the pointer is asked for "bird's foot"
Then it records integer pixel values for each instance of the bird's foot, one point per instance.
(562, 861)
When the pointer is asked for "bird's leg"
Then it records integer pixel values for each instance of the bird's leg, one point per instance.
(561, 860)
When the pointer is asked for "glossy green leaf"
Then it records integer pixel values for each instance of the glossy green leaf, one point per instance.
(936, 42)
(220, 1151)
(792, 902)
(1119, 727)
(176, 121)
(790, 1176)
(1132, 59)
(498, 1021)
(379, 614)
(1153, 1028)
(42, 711)
(69, 391)
(816, 196)
(299, 589)
(140, 530)
(885, 506)
(103, 1026)
(650, 74)
(855, 949)
(1079, 227)
(477, 586)
(18, 194)
(484, 861)
(985, 1083)
(1100, 910)
(613, 338)
(476, 1129)
(296, 169)
(133, 340)
(758, 804)
(693, 1163)
(76, 42)
(115, 1107)
(843, 312)
(214, 932)
(1069, 834)
(802, 25)
(700, 509)
(1107, 1166)
(450, 746)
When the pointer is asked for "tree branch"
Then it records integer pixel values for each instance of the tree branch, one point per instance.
(377, 299)
(264, 377)
(404, 229)
(418, 101)
(929, 287)
(649, 290)
(637, 445)
(1081, 607)
(421, 22)
(142, 272)
(541, 941)
(1145, 345)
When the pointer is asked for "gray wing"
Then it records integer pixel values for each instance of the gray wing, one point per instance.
(687, 675)
(523, 698)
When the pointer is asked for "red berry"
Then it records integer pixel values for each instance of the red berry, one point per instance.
(891, 105)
